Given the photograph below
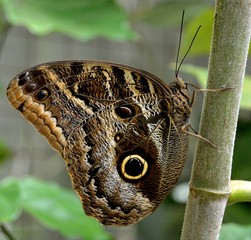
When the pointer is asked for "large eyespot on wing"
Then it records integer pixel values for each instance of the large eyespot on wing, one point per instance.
(133, 167)
(152, 160)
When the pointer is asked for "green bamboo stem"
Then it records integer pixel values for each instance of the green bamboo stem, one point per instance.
(211, 173)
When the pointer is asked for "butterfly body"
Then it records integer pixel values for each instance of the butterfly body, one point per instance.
(119, 130)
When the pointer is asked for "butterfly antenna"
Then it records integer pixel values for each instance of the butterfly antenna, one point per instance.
(177, 68)
(178, 51)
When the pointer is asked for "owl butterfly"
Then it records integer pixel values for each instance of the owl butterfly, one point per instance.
(119, 129)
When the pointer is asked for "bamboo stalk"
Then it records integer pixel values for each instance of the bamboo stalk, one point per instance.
(211, 173)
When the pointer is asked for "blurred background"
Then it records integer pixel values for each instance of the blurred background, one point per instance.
(141, 34)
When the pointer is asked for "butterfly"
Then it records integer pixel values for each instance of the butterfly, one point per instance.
(119, 129)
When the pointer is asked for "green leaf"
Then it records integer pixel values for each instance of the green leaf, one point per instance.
(50, 204)
(202, 42)
(233, 231)
(168, 13)
(246, 96)
(201, 45)
(79, 19)
(59, 209)
(10, 201)
(201, 75)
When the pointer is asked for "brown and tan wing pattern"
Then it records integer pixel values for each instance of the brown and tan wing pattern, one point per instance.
(119, 129)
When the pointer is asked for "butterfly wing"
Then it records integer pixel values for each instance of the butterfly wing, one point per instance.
(114, 127)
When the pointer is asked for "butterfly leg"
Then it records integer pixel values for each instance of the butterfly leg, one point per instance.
(185, 128)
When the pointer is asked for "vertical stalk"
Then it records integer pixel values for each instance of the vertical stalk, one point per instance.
(4, 28)
(211, 173)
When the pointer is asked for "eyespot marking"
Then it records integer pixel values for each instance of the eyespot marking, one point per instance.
(133, 167)
(42, 94)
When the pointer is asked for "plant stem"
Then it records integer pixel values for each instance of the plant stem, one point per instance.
(211, 173)
(6, 232)
(240, 192)
(4, 28)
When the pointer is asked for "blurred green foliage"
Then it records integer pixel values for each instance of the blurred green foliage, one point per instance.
(168, 13)
(83, 20)
(10, 201)
(52, 205)
(5, 152)
(235, 232)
